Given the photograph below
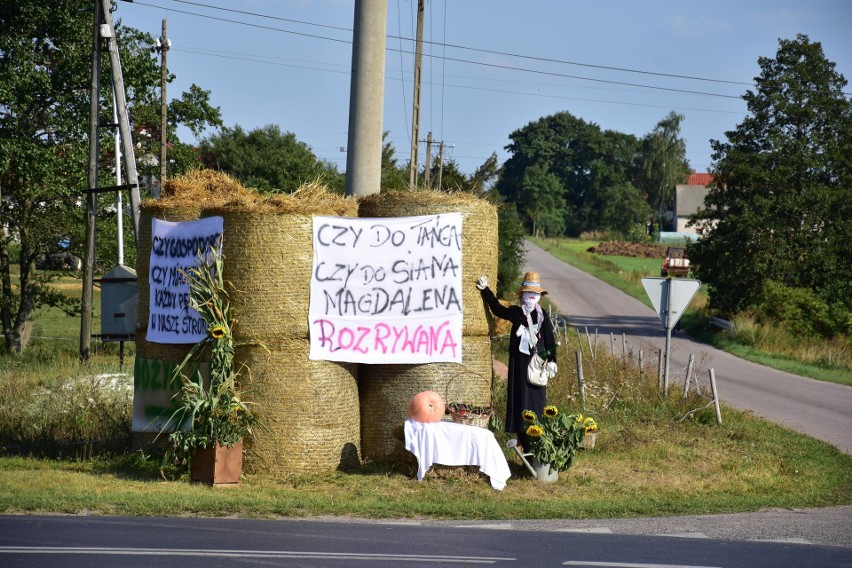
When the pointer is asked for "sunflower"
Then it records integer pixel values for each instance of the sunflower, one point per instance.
(589, 425)
(550, 411)
(535, 431)
(528, 416)
(218, 331)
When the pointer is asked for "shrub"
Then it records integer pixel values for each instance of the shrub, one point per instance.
(798, 309)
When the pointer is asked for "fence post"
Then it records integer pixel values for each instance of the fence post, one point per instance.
(580, 382)
(715, 397)
(624, 348)
(688, 375)
(641, 357)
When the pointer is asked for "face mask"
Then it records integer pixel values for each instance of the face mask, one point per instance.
(530, 299)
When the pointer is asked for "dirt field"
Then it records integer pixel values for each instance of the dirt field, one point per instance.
(639, 250)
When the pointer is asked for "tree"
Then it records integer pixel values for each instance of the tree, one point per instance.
(780, 211)
(267, 159)
(542, 200)
(664, 164)
(393, 176)
(45, 70)
(586, 161)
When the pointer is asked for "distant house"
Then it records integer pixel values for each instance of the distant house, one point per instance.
(689, 197)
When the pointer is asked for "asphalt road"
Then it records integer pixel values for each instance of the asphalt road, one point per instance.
(101, 542)
(816, 408)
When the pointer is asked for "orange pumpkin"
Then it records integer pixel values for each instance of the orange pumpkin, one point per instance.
(426, 406)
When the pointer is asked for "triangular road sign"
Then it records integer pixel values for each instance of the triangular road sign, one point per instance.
(682, 292)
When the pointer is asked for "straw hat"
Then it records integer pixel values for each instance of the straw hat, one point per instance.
(532, 283)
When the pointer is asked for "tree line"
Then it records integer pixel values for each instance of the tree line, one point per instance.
(781, 194)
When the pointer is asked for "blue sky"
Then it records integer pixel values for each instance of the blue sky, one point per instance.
(490, 66)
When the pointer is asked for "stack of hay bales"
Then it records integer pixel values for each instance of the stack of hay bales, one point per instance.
(386, 389)
(309, 409)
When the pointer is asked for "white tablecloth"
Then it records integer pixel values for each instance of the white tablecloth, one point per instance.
(449, 443)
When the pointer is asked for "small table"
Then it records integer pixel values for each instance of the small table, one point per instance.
(450, 443)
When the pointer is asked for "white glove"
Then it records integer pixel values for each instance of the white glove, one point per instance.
(550, 367)
(482, 282)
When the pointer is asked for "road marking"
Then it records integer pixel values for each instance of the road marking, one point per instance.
(629, 565)
(496, 526)
(248, 554)
(684, 535)
(595, 530)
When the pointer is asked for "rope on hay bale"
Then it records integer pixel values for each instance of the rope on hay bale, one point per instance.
(479, 239)
(268, 252)
(385, 390)
(309, 410)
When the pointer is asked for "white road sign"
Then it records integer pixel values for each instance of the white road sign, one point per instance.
(670, 304)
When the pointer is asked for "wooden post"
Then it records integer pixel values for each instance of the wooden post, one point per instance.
(612, 344)
(641, 357)
(595, 349)
(688, 375)
(624, 348)
(715, 397)
(589, 340)
(580, 381)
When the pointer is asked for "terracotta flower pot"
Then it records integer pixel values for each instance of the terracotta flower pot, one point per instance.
(217, 465)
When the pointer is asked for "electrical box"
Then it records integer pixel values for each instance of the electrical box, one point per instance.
(119, 295)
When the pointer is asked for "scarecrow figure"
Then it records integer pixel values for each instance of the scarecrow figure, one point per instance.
(531, 332)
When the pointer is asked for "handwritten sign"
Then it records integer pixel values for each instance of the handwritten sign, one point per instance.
(175, 247)
(387, 290)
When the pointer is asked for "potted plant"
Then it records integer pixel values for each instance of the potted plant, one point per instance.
(210, 420)
(553, 440)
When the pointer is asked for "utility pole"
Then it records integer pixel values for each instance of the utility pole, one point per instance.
(104, 30)
(415, 114)
(91, 197)
(366, 98)
(163, 45)
(427, 173)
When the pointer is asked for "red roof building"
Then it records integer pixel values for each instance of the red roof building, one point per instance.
(699, 179)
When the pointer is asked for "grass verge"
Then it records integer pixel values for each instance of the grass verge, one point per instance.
(653, 457)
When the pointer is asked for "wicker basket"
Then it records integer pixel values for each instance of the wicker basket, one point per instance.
(470, 418)
(467, 417)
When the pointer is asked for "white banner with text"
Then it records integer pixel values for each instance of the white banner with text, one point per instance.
(174, 248)
(387, 290)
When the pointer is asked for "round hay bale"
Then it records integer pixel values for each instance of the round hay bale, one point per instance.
(479, 239)
(268, 259)
(143, 254)
(202, 187)
(385, 390)
(309, 410)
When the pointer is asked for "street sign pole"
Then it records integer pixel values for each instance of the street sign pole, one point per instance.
(669, 296)
(668, 288)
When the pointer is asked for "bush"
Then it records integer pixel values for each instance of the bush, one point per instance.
(510, 236)
(798, 309)
(46, 412)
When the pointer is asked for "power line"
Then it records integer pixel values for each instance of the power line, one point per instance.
(471, 62)
(267, 60)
